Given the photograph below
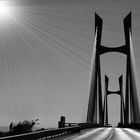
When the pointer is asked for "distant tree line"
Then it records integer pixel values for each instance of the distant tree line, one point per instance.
(20, 128)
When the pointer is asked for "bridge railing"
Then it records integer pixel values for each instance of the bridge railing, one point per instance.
(45, 134)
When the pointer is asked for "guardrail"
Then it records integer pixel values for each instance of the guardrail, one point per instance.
(45, 134)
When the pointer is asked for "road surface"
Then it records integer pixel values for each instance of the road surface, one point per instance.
(106, 134)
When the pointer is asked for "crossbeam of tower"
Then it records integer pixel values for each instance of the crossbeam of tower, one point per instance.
(97, 112)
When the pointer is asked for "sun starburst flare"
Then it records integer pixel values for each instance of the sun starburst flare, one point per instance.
(6, 9)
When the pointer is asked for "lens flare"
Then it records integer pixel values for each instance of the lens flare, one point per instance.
(5, 9)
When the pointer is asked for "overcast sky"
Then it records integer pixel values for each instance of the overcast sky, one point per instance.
(45, 57)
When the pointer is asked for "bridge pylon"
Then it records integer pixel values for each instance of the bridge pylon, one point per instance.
(97, 108)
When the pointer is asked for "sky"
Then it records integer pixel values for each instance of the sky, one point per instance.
(45, 57)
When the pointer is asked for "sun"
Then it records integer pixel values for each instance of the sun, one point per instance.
(5, 9)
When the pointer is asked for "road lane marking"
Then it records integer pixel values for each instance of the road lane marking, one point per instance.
(103, 135)
(121, 135)
(134, 133)
(111, 135)
(85, 135)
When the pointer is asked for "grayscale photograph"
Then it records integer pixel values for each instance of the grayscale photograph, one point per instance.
(69, 70)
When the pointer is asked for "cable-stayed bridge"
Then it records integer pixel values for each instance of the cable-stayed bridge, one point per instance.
(97, 126)
(98, 107)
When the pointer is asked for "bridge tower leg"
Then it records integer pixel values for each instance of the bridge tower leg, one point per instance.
(132, 112)
(122, 100)
(95, 97)
(105, 102)
(127, 28)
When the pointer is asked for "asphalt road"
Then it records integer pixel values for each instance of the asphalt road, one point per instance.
(106, 134)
